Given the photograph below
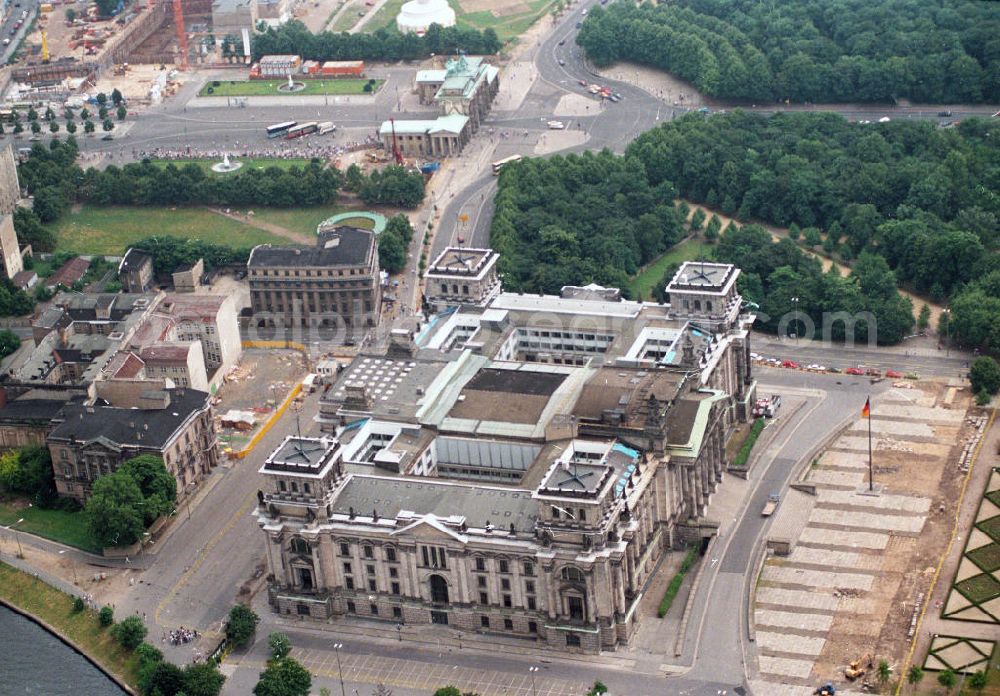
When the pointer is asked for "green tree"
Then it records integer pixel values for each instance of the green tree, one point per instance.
(448, 691)
(129, 632)
(166, 679)
(116, 97)
(597, 689)
(70, 127)
(70, 15)
(883, 672)
(9, 342)
(391, 252)
(106, 616)
(978, 680)
(914, 675)
(102, 99)
(203, 679)
(241, 625)
(924, 318)
(36, 127)
(18, 128)
(947, 679)
(697, 220)
(279, 645)
(10, 470)
(158, 486)
(54, 126)
(985, 374)
(108, 124)
(121, 112)
(84, 114)
(88, 126)
(78, 605)
(50, 115)
(32, 114)
(284, 677)
(114, 511)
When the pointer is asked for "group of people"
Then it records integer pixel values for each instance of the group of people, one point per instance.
(180, 636)
(301, 150)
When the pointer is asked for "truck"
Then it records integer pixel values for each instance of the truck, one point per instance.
(771, 505)
(767, 408)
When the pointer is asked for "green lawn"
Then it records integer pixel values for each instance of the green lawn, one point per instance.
(385, 17)
(55, 608)
(349, 18)
(269, 88)
(301, 220)
(251, 163)
(111, 229)
(643, 283)
(69, 528)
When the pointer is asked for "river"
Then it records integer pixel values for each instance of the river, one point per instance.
(36, 662)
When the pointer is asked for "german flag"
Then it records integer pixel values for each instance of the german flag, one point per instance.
(866, 412)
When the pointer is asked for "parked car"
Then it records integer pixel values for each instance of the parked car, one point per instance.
(582, 83)
(790, 364)
(854, 371)
(944, 114)
(562, 62)
(562, 42)
(834, 370)
(893, 374)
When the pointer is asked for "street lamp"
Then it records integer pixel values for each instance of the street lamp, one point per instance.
(795, 333)
(340, 670)
(532, 670)
(20, 553)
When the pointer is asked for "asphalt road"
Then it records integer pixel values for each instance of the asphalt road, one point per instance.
(7, 30)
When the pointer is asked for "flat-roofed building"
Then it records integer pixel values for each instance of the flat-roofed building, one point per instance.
(336, 282)
(461, 276)
(440, 137)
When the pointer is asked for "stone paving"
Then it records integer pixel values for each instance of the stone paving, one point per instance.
(850, 559)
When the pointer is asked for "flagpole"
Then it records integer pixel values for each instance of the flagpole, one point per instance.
(871, 470)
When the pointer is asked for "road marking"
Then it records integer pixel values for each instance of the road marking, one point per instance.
(237, 516)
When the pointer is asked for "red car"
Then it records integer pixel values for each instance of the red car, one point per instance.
(893, 374)
(854, 371)
(791, 364)
(582, 83)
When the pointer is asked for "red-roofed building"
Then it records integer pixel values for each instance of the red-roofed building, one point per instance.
(69, 273)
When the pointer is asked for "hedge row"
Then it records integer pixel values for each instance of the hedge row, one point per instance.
(741, 457)
(675, 583)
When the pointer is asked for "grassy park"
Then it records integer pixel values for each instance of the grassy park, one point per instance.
(56, 609)
(301, 220)
(110, 229)
(646, 279)
(68, 528)
(269, 88)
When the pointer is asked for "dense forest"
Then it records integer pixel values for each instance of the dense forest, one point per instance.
(294, 38)
(819, 51)
(902, 201)
(922, 197)
(578, 219)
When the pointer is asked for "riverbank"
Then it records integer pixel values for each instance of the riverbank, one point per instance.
(53, 610)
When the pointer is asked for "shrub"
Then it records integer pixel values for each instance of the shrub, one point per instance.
(78, 605)
(106, 616)
(280, 645)
(740, 461)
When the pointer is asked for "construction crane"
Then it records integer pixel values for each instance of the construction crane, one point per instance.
(45, 46)
(396, 154)
(182, 42)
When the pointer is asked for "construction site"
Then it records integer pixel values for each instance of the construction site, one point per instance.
(853, 559)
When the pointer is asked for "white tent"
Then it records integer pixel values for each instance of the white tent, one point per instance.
(418, 15)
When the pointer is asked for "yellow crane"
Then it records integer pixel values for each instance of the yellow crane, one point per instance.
(45, 47)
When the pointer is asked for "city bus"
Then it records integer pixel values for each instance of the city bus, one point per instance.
(500, 164)
(279, 129)
(302, 129)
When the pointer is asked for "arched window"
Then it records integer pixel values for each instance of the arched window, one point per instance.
(439, 589)
(299, 545)
(572, 574)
